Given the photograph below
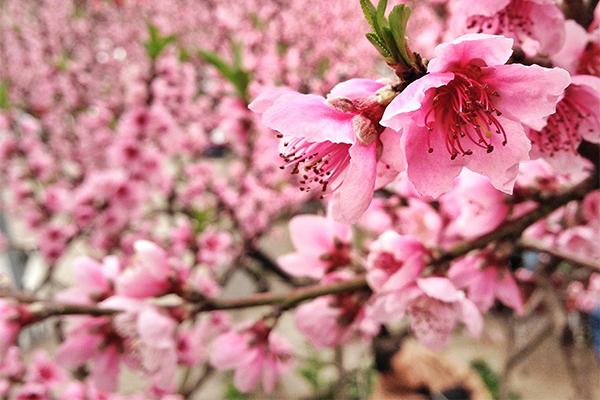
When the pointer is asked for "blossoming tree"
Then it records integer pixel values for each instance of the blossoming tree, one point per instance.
(444, 173)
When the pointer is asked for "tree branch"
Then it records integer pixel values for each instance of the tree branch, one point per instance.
(289, 299)
(574, 259)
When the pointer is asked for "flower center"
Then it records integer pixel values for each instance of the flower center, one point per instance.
(589, 63)
(463, 110)
(319, 164)
(513, 21)
(562, 132)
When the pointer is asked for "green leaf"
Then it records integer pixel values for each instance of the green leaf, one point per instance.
(488, 376)
(4, 97)
(491, 379)
(369, 12)
(388, 38)
(398, 19)
(381, 6)
(380, 46)
(184, 54)
(231, 393)
(235, 74)
(156, 43)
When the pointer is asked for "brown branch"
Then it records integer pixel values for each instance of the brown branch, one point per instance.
(592, 264)
(286, 300)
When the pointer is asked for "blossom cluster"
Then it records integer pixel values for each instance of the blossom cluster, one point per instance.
(178, 157)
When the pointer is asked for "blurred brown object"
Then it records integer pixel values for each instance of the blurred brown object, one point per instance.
(410, 371)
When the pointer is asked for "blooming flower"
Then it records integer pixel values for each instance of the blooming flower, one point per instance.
(577, 117)
(474, 206)
(468, 112)
(256, 354)
(486, 281)
(12, 317)
(394, 262)
(336, 143)
(581, 51)
(96, 342)
(434, 307)
(94, 280)
(332, 320)
(322, 245)
(150, 274)
(537, 26)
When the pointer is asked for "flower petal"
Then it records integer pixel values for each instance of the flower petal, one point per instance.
(411, 99)
(527, 94)
(355, 89)
(501, 165)
(310, 234)
(308, 116)
(302, 265)
(440, 289)
(266, 98)
(431, 173)
(355, 193)
(492, 49)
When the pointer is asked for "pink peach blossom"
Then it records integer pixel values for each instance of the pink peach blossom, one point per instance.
(577, 117)
(434, 307)
(395, 261)
(473, 206)
(468, 112)
(537, 26)
(580, 53)
(336, 143)
(486, 281)
(256, 354)
(322, 246)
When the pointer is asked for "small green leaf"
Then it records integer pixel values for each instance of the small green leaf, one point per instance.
(380, 46)
(156, 43)
(369, 12)
(238, 77)
(398, 19)
(4, 96)
(231, 393)
(184, 55)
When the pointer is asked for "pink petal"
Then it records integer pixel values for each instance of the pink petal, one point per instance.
(430, 173)
(463, 271)
(155, 328)
(77, 349)
(576, 38)
(355, 89)
(585, 92)
(492, 49)
(501, 166)
(308, 116)
(247, 376)
(527, 94)
(471, 317)
(391, 161)
(270, 373)
(229, 350)
(89, 274)
(266, 98)
(406, 275)
(104, 369)
(411, 99)
(509, 294)
(440, 289)
(355, 193)
(549, 25)
(481, 7)
(481, 290)
(310, 235)
(302, 265)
